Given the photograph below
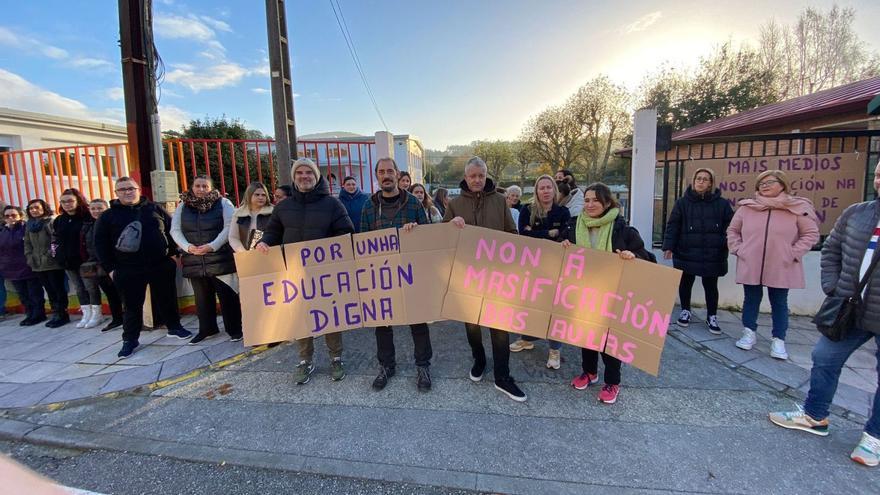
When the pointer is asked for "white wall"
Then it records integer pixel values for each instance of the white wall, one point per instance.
(800, 302)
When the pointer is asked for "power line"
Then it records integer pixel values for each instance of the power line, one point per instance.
(343, 27)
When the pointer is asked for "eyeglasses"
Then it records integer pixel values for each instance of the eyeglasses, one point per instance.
(768, 183)
(68, 201)
(126, 189)
(702, 179)
(10, 215)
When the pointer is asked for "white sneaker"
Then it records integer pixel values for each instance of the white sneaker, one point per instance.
(96, 318)
(521, 345)
(87, 315)
(748, 339)
(777, 349)
(554, 360)
(867, 452)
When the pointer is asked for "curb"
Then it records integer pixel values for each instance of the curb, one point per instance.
(147, 387)
(781, 388)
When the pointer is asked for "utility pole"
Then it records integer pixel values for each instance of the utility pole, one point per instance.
(282, 88)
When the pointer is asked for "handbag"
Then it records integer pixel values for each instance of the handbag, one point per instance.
(838, 314)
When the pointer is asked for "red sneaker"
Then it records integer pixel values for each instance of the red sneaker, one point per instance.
(609, 393)
(581, 382)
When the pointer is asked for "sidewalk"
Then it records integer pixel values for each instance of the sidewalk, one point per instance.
(40, 365)
(701, 426)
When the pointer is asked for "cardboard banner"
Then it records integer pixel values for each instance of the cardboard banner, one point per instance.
(831, 181)
(505, 281)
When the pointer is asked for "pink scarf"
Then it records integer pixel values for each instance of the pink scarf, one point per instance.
(797, 205)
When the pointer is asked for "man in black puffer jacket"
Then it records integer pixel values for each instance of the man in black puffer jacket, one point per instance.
(138, 254)
(310, 213)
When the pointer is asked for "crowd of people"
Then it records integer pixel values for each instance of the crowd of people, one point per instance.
(131, 243)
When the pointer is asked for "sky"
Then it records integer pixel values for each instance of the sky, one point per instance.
(447, 72)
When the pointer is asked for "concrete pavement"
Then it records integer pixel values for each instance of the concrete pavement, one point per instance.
(700, 427)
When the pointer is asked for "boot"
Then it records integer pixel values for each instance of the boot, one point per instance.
(96, 318)
(86, 315)
(60, 319)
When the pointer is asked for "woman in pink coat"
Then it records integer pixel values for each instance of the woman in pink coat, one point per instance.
(769, 235)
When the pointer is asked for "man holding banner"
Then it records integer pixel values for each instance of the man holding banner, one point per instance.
(387, 208)
(309, 213)
(479, 204)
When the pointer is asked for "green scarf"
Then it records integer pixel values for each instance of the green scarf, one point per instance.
(605, 224)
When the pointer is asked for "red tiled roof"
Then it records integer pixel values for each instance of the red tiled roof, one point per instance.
(850, 97)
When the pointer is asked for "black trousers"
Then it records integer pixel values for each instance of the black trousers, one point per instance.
(500, 349)
(53, 282)
(132, 284)
(206, 291)
(710, 286)
(31, 294)
(590, 364)
(421, 341)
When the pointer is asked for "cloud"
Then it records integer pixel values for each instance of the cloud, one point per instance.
(173, 118)
(201, 29)
(260, 91)
(642, 23)
(216, 23)
(113, 94)
(212, 77)
(23, 95)
(30, 45)
(90, 63)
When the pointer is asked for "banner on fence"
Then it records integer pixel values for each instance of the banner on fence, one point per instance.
(514, 283)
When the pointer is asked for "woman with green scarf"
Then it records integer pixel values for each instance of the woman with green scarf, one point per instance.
(601, 227)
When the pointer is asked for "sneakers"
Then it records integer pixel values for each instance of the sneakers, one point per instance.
(114, 323)
(867, 452)
(303, 372)
(684, 318)
(235, 338)
(799, 420)
(382, 378)
(200, 337)
(521, 345)
(337, 369)
(777, 349)
(509, 388)
(180, 332)
(748, 339)
(86, 315)
(423, 380)
(608, 394)
(554, 360)
(128, 347)
(581, 382)
(477, 371)
(712, 321)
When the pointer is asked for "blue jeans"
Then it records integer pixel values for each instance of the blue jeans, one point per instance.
(554, 344)
(778, 308)
(2, 296)
(828, 360)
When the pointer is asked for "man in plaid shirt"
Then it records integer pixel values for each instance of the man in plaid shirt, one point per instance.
(394, 207)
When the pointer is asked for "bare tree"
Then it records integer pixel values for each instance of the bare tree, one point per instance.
(524, 157)
(602, 111)
(820, 51)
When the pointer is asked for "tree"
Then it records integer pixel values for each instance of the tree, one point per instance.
(498, 155)
(206, 157)
(524, 158)
(726, 82)
(602, 111)
(555, 137)
(819, 51)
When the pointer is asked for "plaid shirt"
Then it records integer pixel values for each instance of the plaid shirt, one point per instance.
(412, 211)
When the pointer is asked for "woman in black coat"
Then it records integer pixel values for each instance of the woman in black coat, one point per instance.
(200, 227)
(67, 235)
(696, 242)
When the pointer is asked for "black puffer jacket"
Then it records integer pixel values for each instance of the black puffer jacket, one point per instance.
(696, 233)
(202, 228)
(307, 216)
(156, 242)
(67, 234)
(557, 218)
